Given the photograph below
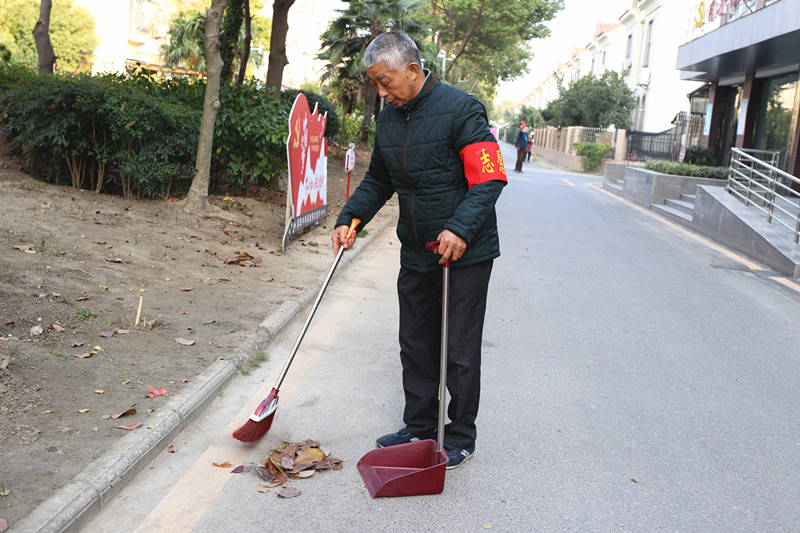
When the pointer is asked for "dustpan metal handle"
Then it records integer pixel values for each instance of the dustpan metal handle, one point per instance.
(443, 356)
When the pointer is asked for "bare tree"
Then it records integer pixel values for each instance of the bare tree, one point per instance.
(277, 44)
(41, 36)
(196, 200)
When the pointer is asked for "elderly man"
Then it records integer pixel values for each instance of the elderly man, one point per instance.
(434, 149)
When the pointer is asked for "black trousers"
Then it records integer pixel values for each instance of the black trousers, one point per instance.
(520, 158)
(420, 298)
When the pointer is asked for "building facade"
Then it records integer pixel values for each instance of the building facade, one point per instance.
(747, 52)
(642, 46)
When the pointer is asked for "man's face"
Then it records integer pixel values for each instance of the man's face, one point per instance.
(397, 87)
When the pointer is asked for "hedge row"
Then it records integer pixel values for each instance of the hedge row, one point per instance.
(138, 136)
(687, 169)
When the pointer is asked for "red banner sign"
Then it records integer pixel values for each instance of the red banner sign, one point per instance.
(307, 151)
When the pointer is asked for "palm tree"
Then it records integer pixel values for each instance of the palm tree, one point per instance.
(347, 37)
(187, 41)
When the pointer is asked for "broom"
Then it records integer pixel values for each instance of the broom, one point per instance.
(261, 419)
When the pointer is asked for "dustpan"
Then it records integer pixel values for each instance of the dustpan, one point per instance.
(419, 467)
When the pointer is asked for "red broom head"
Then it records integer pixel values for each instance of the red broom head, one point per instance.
(260, 421)
(253, 431)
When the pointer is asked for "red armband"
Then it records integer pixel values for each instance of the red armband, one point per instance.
(482, 163)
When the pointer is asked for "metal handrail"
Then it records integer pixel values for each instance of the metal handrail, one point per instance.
(757, 182)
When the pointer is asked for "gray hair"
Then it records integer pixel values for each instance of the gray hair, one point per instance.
(397, 49)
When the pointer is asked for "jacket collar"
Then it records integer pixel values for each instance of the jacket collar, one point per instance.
(425, 90)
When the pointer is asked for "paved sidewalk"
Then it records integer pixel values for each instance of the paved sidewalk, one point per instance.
(77, 502)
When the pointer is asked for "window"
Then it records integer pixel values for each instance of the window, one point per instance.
(647, 39)
(629, 47)
(603, 60)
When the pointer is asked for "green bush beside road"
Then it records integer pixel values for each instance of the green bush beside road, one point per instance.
(137, 136)
(592, 154)
(686, 169)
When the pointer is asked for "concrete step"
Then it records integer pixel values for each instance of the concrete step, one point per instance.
(688, 197)
(617, 187)
(681, 205)
(674, 214)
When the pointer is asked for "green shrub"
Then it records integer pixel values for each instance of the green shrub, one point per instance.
(686, 169)
(332, 125)
(249, 137)
(592, 154)
(138, 136)
(104, 133)
(698, 155)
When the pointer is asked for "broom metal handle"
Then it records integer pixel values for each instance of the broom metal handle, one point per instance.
(314, 307)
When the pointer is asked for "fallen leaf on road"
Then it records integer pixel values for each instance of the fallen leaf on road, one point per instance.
(83, 355)
(126, 382)
(156, 392)
(130, 426)
(487, 526)
(226, 464)
(108, 333)
(113, 259)
(184, 342)
(123, 331)
(25, 248)
(81, 298)
(58, 328)
(171, 448)
(77, 344)
(186, 289)
(238, 470)
(82, 411)
(124, 413)
(303, 474)
(184, 381)
(99, 391)
(207, 322)
(289, 492)
(99, 242)
(36, 330)
(262, 488)
(48, 411)
(3, 525)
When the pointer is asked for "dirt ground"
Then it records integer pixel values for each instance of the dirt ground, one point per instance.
(73, 266)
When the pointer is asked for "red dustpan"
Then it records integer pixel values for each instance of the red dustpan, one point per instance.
(417, 467)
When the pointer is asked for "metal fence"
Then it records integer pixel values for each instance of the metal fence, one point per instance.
(756, 181)
(644, 146)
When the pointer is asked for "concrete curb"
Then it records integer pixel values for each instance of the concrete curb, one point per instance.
(81, 499)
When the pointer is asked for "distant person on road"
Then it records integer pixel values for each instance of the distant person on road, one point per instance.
(434, 149)
(522, 144)
(530, 145)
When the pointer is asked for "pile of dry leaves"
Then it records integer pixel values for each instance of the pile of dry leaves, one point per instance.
(291, 460)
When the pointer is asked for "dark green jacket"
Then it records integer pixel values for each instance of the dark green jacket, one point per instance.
(438, 154)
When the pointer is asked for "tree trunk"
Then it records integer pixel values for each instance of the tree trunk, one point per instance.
(197, 199)
(277, 44)
(248, 37)
(41, 35)
(370, 96)
(229, 37)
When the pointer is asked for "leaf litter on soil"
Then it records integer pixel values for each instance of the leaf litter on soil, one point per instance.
(291, 460)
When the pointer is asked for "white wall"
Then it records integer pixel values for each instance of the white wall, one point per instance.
(665, 92)
(111, 26)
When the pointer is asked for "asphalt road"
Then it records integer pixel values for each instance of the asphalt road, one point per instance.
(635, 378)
